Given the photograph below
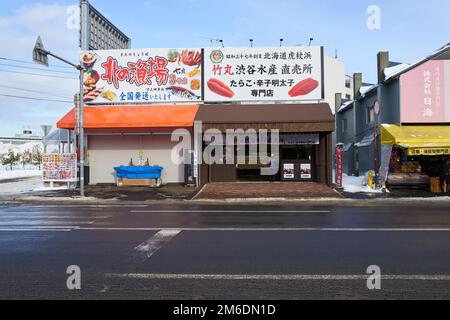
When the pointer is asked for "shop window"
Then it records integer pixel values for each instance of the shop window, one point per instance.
(302, 152)
(344, 125)
(370, 116)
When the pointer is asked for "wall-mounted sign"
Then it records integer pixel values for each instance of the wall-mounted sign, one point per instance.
(425, 93)
(142, 76)
(428, 151)
(299, 139)
(263, 74)
(59, 167)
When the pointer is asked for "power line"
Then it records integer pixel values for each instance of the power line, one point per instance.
(36, 91)
(31, 68)
(39, 74)
(29, 62)
(32, 98)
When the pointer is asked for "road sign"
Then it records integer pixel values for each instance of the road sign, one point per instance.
(46, 129)
(39, 53)
(376, 107)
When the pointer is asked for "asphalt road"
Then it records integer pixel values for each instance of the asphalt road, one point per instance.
(224, 252)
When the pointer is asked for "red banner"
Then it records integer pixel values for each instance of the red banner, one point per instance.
(339, 166)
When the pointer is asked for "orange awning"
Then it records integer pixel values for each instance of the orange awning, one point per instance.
(155, 116)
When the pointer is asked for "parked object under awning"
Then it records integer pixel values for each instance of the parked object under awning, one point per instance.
(155, 116)
(419, 140)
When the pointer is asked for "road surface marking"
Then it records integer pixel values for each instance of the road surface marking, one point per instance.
(33, 223)
(80, 228)
(43, 217)
(272, 229)
(230, 211)
(151, 276)
(34, 230)
(149, 247)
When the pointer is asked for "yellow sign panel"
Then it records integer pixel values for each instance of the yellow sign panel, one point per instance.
(428, 151)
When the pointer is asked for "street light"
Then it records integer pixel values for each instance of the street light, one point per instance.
(40, 56)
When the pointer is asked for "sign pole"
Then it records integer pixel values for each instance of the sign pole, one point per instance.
(81, 130)
(376, 111)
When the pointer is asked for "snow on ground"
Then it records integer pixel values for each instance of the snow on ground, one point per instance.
(353, 184)
(18, 174)
(18, 187)
(357, 185)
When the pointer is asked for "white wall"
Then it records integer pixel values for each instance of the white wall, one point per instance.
(335, 77)
(107, 152)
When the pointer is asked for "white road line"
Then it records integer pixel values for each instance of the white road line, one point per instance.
(80, 228)
(149, 247)
(273, 229)
(34, 230)
(230, 211)
(151, 276)
(35, 217)
(42, 223)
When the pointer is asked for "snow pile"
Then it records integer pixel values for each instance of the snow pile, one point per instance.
(357, 184)
(47, 188)
(366, 89)
(345, 105)
(392, 71)
(18, 174)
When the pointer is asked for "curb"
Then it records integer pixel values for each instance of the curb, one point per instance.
(234, 201)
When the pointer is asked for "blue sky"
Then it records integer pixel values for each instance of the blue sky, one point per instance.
(410, 30)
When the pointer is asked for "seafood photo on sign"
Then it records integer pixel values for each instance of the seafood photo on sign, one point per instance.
(190, 58)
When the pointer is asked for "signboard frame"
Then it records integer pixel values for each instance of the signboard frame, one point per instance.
(321, 77)
(74, 166)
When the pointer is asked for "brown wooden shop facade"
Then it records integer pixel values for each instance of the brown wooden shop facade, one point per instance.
(305, 140)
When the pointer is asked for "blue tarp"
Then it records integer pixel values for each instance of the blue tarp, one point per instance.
(139, 172)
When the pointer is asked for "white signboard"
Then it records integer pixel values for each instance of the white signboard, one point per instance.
(142, 76)
(305, 171)
(263, 74)
(289, 171)
(59, 167)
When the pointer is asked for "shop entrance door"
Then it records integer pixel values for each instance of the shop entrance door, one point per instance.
(298, 163)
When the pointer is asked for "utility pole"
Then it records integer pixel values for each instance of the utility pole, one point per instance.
(40, 55)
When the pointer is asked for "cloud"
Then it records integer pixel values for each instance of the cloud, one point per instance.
(18, 33)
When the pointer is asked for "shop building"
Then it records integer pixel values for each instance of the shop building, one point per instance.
(409, 137)
(304, 144)
(136, 99)
(118, 135)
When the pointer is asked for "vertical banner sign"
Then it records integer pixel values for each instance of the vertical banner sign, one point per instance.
(263, 74)
(339, 166)
(142, 76)
(386, 153)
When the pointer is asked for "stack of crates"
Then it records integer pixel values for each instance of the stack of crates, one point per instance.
(435, 185)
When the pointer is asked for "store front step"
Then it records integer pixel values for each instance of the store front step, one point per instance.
(252, 190)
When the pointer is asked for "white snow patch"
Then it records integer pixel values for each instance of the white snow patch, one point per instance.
(352, 184)
(365, 89)
(393, 71)
(18, 174)
(43, 188)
